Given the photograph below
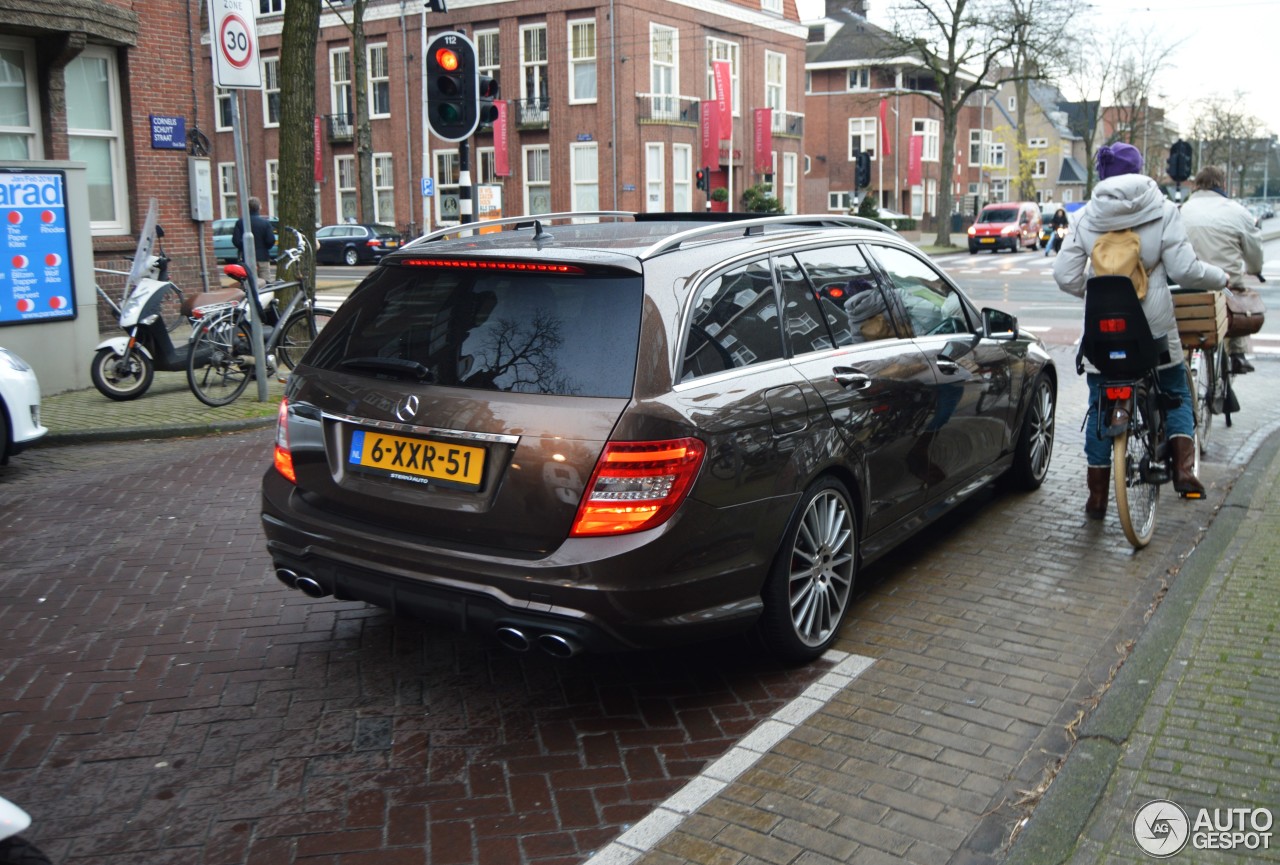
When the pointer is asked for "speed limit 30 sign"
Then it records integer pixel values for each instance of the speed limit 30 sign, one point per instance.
(234, 42)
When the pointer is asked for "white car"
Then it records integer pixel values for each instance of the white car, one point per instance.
(19, 405)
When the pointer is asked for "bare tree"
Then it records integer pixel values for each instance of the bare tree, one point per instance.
(1136, 122)
(360, 99)
(1091, 73)
(297, 113)
(1226, 134)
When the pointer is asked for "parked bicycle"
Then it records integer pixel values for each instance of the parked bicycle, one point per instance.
(221, 363)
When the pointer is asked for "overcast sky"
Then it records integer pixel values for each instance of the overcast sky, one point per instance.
(1222, 47)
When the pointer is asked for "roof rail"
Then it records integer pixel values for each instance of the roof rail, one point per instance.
(518, 222)
(757, 226)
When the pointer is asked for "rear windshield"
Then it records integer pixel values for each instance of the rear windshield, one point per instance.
(566, 335)
(1000, 214)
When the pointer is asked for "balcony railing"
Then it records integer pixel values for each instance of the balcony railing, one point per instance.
(532, 113)
(667, 108)
(788, 123)
(341, 128)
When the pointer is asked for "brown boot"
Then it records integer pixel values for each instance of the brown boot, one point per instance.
(1099, 489)
(1184, 467)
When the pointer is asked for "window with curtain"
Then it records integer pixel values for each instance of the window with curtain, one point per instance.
(533, 63)
(95, 135)
(345, 188)
(537, 180)
(582, 61)
(384, 192)
(584, 160)
(271, 91)
(340, 83)
(379, 81)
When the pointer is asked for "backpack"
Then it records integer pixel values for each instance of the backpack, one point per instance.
(1119, 253)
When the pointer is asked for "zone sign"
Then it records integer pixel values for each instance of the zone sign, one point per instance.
(234, 42)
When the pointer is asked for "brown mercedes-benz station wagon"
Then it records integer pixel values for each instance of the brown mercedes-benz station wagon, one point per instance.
(627, 430)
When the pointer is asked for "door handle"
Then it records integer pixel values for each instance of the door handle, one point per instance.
(851, 378)
(948, 367)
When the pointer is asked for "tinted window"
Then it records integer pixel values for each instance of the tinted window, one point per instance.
(574, 336)
(734, 322)
(1000, 214)
(852, 301)
(328, 231)
(930, 303)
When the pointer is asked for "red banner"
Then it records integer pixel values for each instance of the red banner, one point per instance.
(710, 117)
(501, 161)
(764, 140)
(886, 144)
(724, 95)
(317, 160)
(913, 161)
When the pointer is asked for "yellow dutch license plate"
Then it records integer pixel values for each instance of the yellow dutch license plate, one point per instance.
(417, 460)
(987, 240)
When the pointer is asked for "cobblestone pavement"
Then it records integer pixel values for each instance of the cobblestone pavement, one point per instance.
(163, 699)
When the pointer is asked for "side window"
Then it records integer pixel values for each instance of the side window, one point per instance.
(930, 303)
(851, 300)
(733, 322)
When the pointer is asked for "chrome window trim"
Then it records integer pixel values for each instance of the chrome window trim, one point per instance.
(415, 429)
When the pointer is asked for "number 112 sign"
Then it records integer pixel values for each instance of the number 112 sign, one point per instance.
(233, 37)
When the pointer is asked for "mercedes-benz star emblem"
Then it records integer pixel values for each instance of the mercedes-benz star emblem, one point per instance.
(407, 408)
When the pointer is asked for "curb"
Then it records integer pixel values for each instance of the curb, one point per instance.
(1059, 820)
(92, 436)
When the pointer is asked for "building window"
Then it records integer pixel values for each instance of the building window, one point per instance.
(979, 147)
(917, 202)
(487, 56)
(997, 154)
(717, 50)
(340, 85)
(270, 91)
(1038, 143)
(1041, 168)
(222, 120)
(345, 188)
(654, 178)
(447, 172)
(95, 136)
(537, 179)
(228, 191)
(273, 186)
(19, 102)
(928, 130)
(270, 7)
(931, 195)
(384, 191)
(859, 79)
(584, 176)
(379, 81)
(681, 177)
(663, 70)
(1066, 196)
(533, 68)
(789, 180)
(838, 201)
(775, 88)
(774, 6)
(862, 136)
(808, 82)
(1013, 103)
(582, 61)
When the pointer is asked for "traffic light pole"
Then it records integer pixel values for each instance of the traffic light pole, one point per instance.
(464, 182)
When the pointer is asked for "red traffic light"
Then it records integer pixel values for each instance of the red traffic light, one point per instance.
(447, 59)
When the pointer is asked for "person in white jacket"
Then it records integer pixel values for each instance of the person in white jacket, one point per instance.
(1222, 232)
(1126, 198)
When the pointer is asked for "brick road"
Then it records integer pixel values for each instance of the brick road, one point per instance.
(164, 700)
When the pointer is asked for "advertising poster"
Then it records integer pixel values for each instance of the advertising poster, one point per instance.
(35, 256)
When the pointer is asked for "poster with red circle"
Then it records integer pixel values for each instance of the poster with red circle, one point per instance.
(36, 281)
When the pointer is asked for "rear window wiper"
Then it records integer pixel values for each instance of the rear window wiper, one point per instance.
(397, 366)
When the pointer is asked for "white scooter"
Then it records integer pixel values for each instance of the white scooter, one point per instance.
(13, 849)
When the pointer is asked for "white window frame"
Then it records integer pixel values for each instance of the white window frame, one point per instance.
(917, 201)
(373, 78)
(655, 179)
(858, 79)
(384, 182)
(584, 61)
(228, 191)
(997, 154)
(487, 44)
(222, 109)
(723, 49)
(775, 88)
(270, 87)
(865, 128)
(1040, 168)
(584, 176)
(485, 165)
(771, 6)
(270, 7)
(533, 69)
(530, 181)
(341, 189)
(447, 170)
(1013, 103)
(664, 70)
(838, 202)
(1066, 196)
(931, 195)
(115, 140)
(1038, 143)
(790, 183)
(273, 185)
(341, 95)
(682, 177)
(31, 131)
(930, 130)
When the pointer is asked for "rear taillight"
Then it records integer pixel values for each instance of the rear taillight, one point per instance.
(374, 242)
(283, 456)
(1121, 392)
(1113, 325)
(637, 485)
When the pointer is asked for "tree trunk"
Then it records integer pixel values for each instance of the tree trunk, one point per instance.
(297, 116)
(364, 132)
(950, 118)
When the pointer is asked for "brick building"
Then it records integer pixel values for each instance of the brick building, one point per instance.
(604, 103)
(86, 78)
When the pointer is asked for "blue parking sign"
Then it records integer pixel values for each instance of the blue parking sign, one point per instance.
(428, 187)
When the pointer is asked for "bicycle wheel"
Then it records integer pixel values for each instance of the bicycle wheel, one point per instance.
(1136, 498)
(1197, 410)
(1226, 385)
(299, 332)
(221, 361)
(1206, 393)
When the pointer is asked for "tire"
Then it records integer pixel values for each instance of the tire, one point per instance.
(118, 380)
(1035, 441)
(1136, 499)
(298, 335)
(19, 851)
(4, 434)
(351, 257)
(810, 583)
(221, 360)
(1208, 398)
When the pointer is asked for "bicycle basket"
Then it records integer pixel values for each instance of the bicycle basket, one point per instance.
(1117, 339)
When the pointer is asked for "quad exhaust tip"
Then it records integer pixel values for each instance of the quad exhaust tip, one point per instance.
(514, 639)
(306, 585)
(555, 645)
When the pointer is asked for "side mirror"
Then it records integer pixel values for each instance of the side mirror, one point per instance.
(998, 325)
(159, 231)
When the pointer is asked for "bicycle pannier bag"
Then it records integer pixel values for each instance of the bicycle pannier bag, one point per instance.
(1119, 253)
(1245, 312)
